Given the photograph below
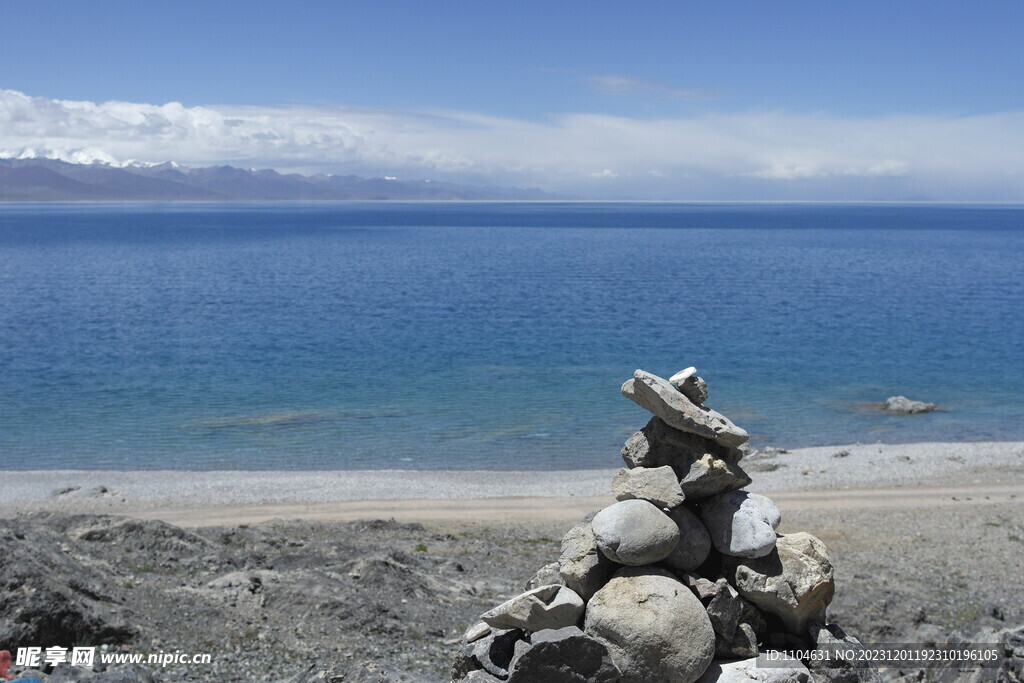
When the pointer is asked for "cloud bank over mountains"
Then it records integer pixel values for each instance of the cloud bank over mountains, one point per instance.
(748, 155)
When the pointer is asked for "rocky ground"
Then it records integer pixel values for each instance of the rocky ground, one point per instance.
(272, 600)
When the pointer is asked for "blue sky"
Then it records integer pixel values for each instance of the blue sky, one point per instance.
(660, 100)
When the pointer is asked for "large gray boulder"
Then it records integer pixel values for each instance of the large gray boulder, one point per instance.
(634, 532)
(653, 626)
(565, 655)
(662, 399)
(581, 566)
(545, 607)
(703, 467)
(694, 542)
(741, 524)
(657, 485)
(794, 582)
(748, 671)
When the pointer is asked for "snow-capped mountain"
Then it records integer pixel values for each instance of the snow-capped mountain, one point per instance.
(40, 175)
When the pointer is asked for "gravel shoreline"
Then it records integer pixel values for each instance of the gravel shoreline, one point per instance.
(819, 468)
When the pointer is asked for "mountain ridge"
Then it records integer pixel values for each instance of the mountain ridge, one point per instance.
(38, 179)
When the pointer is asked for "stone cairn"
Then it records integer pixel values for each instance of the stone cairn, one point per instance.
(683, 579)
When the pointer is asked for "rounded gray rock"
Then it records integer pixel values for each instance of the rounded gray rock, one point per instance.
(694, 541)
(634, 532)
(741, 524)
(654, 627)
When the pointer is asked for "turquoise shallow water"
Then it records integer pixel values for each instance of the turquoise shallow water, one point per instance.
(307, 336)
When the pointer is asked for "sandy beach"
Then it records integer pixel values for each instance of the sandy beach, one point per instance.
(859, 475)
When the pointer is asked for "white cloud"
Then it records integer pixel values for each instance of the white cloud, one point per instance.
(617, 85)
(716, 155)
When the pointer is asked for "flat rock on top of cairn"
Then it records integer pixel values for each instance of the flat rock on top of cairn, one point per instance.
(662, 399)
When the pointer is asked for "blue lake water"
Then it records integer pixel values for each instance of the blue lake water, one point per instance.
(394, 335)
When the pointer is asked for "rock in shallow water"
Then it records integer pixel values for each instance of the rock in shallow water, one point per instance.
(657, 485)
(904, 406)
(545, 607)
(634, 532)
(653, 626)
(662, 399)
(741, 524)
(794, 582)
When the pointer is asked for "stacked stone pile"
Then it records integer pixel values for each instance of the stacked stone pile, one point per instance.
(684, 578)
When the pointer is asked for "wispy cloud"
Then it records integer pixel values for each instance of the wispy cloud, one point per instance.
(739, 155)
(618, 84)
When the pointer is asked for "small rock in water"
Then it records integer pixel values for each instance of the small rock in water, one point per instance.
(545, 607)
(657, 485)
(902, 405)
(741, 524)
(635, 532)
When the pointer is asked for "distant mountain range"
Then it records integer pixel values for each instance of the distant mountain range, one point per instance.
(43, 180)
